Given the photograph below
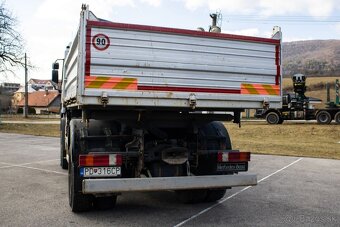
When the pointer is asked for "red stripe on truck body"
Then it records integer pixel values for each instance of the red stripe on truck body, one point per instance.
(177, 31)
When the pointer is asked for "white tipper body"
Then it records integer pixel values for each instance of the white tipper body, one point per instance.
(137, 66)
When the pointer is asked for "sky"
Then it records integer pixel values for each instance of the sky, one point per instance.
(48, 26)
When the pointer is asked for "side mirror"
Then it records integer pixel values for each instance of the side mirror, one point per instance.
(55, 65)
(55, 74)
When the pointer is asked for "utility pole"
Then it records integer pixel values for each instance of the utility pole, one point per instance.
(337, 87)
(26, 90)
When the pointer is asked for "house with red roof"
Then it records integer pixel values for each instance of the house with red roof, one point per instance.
(43, 101)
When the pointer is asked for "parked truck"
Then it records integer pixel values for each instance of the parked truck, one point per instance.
(142, 108)
(298, 106)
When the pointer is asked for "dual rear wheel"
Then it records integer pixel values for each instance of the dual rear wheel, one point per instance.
(78, 201)
(63, 160)
(337, 117)
(213, 136)
(324, 117)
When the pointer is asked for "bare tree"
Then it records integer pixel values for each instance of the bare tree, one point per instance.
(11, 43)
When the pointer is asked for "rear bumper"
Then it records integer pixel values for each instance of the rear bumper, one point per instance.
(96, 186)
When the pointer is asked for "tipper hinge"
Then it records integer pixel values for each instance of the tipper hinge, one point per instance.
(265, 104)
(192, 101)
(104, 99)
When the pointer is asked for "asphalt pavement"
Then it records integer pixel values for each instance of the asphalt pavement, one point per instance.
(292, 191)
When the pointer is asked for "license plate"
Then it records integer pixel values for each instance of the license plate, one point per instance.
(231, 167)
(100, 171)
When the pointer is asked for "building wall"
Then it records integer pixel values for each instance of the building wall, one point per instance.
(9, 88)
(17, 97)
(54, 107)
(38, 110)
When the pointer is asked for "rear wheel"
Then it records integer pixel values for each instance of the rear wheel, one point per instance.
(191, 196)
(78, 201)
(105, 203)
(337, 117)
(213, 136)
(280, 121)
(214, 195)
(323, 117)
(273, 118)
(63, 161)
(222, 141)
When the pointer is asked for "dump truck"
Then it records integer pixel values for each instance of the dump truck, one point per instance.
(142, 108)
(298, 106)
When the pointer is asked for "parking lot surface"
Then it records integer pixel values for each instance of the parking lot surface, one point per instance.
(292, 191)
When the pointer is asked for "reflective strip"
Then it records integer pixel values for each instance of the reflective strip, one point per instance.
(224, 157)
(233, 156)
(115, 160)
(100, 160)
(103, 82)
(260, 89)
(112, 159)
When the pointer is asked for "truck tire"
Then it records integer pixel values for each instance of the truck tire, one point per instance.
(216, 128)
(78, 201)
(281, 121)
(192, 196)
(213, 129)
(323, 117)
(214, 195)
(105, 203)
(337, 117)
(273, 118)
(63, 160)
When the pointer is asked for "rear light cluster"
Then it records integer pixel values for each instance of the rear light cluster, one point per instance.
(100, 160)
(233, 156)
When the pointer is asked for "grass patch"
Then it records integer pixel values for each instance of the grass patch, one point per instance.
(30, 118)
(31, 129)
(292, 139)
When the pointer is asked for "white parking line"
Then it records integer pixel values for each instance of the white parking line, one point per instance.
(30, 163)
(4, 167)
(8, 165)
(44, 170)
(233, 195)
(24, 164)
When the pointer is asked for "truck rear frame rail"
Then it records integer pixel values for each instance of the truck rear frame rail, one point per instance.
(97, 186)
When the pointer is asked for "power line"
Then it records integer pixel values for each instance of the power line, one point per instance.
(285, 19)
(285, 16)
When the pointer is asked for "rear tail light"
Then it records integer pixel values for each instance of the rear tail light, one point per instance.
(100, 160)
(233, 156)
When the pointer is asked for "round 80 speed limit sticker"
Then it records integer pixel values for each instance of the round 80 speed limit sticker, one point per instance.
(101, 42)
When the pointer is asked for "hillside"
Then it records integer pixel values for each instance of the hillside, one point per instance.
(312, 58)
